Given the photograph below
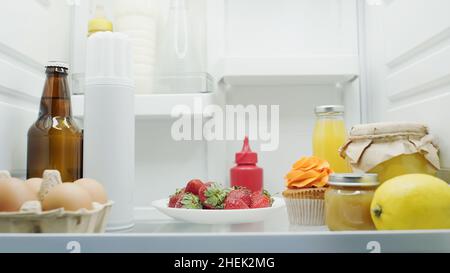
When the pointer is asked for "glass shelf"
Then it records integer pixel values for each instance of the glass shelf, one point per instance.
(157, 105)
(290, 71)
(161, 234)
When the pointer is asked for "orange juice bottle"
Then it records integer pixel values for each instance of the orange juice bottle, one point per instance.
(329, 135)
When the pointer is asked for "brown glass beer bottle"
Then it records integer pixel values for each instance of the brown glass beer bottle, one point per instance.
(55, 142)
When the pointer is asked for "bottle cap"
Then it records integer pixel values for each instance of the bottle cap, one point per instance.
(99, 23)
(246, 156)
(329, 109)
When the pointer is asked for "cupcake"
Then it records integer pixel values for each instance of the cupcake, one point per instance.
(306, 185)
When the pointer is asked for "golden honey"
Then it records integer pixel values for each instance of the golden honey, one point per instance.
(403, 164)
(347, 203)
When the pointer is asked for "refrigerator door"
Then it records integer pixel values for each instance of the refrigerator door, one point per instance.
(24, 49)
(407, 64)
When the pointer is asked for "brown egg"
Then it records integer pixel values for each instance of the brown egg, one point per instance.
(13, 194)
(34, 184)
(69, 196)
(95, 189)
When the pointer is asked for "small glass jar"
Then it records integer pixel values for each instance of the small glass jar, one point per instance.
(347, 201)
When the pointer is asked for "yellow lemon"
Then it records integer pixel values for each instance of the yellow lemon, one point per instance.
(414, 201)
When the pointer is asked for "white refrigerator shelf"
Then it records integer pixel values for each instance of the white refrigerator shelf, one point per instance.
(359, 242)
(159, 234)
(304, 71)
(157, 106)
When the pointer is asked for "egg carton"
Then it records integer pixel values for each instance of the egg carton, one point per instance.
(31, 219)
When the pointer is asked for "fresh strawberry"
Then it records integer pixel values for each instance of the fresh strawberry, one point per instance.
(212, 195)
(188, 201)
(261, 200)
(232, 204)
(257, 194)
(175, 197)
(194, 186)
(241, 193)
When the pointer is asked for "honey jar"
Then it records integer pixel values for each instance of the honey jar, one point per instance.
(391, 150)
(347, 201)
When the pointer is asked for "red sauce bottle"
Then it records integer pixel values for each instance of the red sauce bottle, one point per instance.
(246, 173)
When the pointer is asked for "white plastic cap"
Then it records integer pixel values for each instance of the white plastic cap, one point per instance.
(109, 59)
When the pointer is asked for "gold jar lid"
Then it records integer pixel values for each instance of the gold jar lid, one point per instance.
(354, 180)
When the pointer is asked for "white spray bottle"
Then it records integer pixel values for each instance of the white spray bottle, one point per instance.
(109, 123)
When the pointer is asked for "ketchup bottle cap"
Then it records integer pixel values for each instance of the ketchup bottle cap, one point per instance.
(246, 156)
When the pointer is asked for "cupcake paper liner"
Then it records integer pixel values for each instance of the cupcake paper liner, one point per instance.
(306, 212)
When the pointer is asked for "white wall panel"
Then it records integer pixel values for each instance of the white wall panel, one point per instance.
(13, 131)
(163, 164)
(268, 28)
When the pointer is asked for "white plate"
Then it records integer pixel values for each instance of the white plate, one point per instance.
(215, 217)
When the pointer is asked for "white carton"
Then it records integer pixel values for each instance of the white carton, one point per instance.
(32, 219)
(55, 221)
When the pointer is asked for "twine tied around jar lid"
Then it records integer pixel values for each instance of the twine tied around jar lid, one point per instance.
(387, 130)
(372, 144)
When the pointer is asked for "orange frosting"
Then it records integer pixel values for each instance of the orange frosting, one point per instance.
(308, 172)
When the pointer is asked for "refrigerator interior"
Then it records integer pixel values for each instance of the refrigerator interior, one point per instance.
(291, 53)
